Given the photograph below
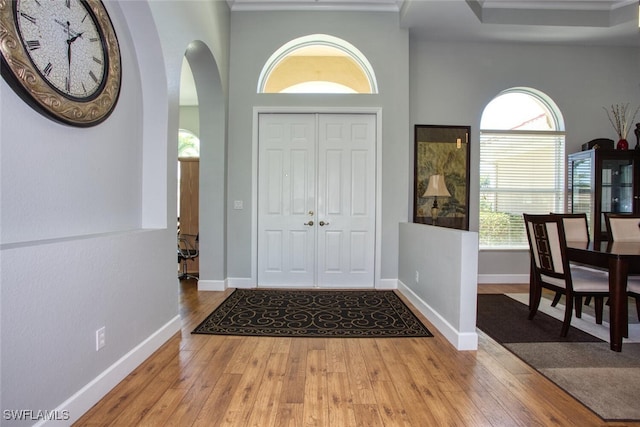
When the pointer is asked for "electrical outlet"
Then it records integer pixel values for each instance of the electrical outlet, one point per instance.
(100, 338)
(417, 276)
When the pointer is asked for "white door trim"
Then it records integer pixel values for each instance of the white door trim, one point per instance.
(377, 111)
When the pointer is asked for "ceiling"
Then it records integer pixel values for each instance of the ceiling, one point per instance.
(568, 22)
(593, 22)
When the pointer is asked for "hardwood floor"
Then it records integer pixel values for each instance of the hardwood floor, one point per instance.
(208, 380)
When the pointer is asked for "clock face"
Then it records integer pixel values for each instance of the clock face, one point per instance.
(64, 43)
(62, 57)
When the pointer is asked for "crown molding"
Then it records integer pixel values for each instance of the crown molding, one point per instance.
(317, 5)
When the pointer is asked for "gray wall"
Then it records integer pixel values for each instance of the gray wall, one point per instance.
(438, 271)
(255, 36)
(88, 217)
(199, 31)
(190, 118)
(451, 83)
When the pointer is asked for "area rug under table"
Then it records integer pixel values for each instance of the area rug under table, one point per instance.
(313, 313)
(605, 381)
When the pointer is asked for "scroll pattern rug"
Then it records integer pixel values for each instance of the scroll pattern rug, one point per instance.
(605, 381)
(313, 313)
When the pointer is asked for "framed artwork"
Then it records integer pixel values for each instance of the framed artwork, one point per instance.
(441, 176)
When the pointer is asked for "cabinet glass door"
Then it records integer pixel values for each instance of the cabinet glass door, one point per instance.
(582, 189)
(617, 187)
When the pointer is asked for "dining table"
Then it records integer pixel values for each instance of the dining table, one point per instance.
(620, 259)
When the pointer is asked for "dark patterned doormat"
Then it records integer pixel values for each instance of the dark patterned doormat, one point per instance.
(313, 313)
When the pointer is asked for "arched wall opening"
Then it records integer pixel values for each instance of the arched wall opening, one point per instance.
(213, 174)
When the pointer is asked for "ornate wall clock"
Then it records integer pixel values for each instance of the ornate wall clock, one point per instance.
(62, 57)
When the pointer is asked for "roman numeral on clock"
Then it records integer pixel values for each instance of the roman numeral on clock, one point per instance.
(47, 70)
(33, 44)
(28, 17)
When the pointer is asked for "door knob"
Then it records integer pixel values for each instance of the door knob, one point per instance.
(310, 223)
(322, 223)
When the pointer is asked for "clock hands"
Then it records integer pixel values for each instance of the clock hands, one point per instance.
(70, 41)
(68, 82)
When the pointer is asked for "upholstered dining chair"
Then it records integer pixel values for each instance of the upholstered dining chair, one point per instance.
(576, 229)
(551, 268)
(623, 227)
(626, 228)
(633, 290)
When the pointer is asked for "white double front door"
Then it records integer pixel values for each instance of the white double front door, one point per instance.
(316, 200)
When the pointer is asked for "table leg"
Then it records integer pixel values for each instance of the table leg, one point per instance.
(618, 270)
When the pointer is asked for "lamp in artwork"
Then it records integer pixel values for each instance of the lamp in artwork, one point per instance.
(436, 188)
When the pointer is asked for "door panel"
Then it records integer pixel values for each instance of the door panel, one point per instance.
(316, 200)
(346, 200)
(286, 195)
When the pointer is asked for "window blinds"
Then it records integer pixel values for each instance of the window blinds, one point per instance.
(520, 172)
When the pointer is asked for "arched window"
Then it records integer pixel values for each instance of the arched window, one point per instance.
(522, 164)
(188, 144)
(317, 64)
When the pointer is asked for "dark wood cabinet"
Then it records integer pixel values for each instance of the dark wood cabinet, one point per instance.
(601, 180)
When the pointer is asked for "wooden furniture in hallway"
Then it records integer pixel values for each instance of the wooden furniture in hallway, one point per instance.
(189, 203)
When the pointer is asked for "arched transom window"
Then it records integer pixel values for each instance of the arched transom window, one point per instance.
(318, 63)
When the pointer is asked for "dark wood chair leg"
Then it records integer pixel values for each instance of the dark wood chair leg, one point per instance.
(578, 302)
(556, 299)
(535, 294)
(599, 308)
(567, 316)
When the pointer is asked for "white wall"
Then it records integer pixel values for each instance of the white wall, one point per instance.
(88, 220)
(255, 36)
(451, 83)
(438, 270)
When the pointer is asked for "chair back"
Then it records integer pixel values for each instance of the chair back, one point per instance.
(188, 246)
(547, 244)
(576, 228)
(623, 227)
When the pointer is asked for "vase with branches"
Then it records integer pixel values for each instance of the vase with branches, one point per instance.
(621, 119)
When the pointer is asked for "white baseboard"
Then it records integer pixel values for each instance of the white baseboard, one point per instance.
(91, 393)
(248, 283)
(212, 285)
(387, 284)
(241, 282)
(460, 340)
(485, 279)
